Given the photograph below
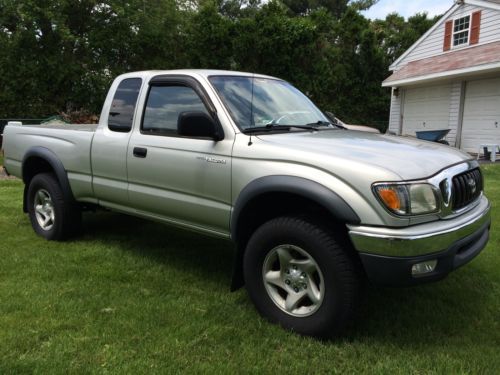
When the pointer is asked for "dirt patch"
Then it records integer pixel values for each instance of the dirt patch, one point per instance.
(3, 175)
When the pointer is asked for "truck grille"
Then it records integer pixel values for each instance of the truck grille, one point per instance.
(467, 187)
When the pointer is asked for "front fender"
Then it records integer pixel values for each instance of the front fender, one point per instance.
(303, 187)
(298, 186)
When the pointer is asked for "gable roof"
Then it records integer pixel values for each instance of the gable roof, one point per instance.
(493, 4)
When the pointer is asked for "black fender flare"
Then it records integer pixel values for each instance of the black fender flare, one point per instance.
(309, 189)
(331, 201)
(57, 166)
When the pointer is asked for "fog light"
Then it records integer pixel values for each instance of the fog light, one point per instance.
(423, 268)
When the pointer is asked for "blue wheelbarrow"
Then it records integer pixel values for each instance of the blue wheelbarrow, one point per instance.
(434, 135)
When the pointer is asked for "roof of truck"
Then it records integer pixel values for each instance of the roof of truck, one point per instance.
(199, 72)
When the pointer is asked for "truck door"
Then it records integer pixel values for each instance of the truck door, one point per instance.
(109, 146)
(181, 179)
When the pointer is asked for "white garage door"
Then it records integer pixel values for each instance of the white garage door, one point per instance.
(426, 108)
(481, 122)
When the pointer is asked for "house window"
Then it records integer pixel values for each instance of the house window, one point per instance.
(461, 28)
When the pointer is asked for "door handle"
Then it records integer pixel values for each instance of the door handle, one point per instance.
(140, 152)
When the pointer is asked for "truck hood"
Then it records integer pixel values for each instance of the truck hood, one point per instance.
(407, 157)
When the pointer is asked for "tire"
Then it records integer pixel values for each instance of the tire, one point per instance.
(444, 142)
(314, 290)
(51, 216)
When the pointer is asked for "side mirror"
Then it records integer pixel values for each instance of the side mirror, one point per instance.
(198, 124)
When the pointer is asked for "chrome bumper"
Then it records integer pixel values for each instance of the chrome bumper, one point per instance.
(420, 239)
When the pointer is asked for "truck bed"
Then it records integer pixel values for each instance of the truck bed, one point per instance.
(70, 142)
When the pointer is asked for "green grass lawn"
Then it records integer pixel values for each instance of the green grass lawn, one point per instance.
(138, 297)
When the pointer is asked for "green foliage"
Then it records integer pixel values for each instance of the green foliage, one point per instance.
(336, 8)
(396, 35)
(61, 55)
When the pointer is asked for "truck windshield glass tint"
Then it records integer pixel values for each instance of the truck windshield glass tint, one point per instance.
(122, 109)
(165, 104)
(260, 101)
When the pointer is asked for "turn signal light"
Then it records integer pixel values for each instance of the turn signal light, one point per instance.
(390, 198)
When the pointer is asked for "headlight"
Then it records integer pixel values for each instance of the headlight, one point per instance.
(407, 199)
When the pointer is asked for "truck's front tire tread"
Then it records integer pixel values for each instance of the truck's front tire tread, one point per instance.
(341, 273)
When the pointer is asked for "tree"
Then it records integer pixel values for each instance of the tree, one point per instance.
(335, 7)
(396, 35)
(63, 54)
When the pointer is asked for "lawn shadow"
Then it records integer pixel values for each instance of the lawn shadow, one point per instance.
(208, 257)
(425, 315)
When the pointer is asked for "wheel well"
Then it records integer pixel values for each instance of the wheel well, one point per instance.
(271, 205)
(275, 204)
(33, 166)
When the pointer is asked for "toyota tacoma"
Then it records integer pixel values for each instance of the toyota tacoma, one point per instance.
(313, 209)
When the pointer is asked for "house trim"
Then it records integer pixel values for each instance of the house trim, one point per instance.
(401, 111)
(458, 137)
(482, 3)
(428, 32)
(463, 45)
(447, 74)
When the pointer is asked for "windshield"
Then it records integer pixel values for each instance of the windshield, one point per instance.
(256, 102)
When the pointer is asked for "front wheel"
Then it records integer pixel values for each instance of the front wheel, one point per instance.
(300, 277)
(51, 216)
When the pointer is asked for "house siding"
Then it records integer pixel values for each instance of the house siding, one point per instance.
(433, 45)
(395, 113)
(454, 116)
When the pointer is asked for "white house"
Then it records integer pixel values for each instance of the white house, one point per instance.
(450, 78)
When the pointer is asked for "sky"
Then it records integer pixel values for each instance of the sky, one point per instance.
(408, 8)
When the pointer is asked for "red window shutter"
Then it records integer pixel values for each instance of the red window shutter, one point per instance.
(448, 27)
(474, 27)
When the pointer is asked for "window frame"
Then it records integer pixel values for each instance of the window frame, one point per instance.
(185, 81)
(453, 32)
(230, 112)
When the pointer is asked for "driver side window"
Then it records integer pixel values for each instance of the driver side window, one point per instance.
(164, 105)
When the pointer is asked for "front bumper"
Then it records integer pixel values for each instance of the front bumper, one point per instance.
(388, 254)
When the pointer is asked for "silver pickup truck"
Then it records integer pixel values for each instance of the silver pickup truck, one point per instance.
(313, 209)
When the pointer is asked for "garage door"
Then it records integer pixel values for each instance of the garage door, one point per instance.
(426, 108)
(481, 122)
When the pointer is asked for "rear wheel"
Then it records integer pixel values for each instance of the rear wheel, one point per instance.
(300, 277)
(51, 215)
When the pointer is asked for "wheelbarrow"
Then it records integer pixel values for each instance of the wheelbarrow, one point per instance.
(434, 135)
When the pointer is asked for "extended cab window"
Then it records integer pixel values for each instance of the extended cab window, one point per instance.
(121, 113)
(165, 104)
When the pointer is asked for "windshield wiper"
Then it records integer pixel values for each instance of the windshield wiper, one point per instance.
(327, 124)
(278, 127)
(318, 123)
(267, 128)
